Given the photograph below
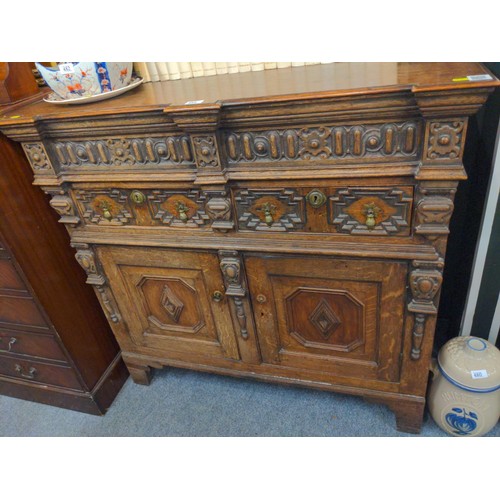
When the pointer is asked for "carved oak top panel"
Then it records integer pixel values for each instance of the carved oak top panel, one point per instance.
(385, 141)
(124, 152)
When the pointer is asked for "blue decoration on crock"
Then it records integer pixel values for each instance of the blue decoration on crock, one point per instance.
(461, 421)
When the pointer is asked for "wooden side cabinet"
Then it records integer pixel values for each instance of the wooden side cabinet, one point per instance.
(290, 226)
(55, 344)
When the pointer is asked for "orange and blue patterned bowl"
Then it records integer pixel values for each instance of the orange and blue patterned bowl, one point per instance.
(85, 79)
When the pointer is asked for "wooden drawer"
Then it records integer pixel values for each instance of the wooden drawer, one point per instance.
(9, 277)
(338, 209)
(30, 344)
(182, 208)
(38, 372)
(20, 311)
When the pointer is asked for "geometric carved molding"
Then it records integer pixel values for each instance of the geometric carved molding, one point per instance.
(270, 210)
(312, 321)
(183, 208)
(351, 210)
(445, 140)
(205, 150)
(38, 158)
(105, 206)
(324, 319)
(162, 297)
(325, 143)
(172, 304)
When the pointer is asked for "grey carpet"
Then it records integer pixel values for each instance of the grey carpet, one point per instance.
(185, 403)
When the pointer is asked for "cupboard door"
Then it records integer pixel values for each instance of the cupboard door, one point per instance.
(166, 298)
(329, 315)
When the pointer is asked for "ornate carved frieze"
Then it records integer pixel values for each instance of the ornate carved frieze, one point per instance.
(445, 140)
(38, 158)
(425, 281)
(273, 209)
(371, 211)
(324, 143)
(124, 152)
(230, 265)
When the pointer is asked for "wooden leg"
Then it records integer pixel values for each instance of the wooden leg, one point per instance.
(140, 374)
(409, 414)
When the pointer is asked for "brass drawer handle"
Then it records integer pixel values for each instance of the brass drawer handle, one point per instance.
(316, 198)
(371, 211)
(182, 211)
(217, 296)
(269, 210)
(12, 341)
(106, 210)
(30, 375)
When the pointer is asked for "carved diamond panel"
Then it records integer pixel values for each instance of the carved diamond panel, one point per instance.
(325, 319)
(171, 304)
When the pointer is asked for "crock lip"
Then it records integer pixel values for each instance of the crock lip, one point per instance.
(465, 387)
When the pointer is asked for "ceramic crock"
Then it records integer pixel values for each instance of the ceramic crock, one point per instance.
(85, 79)
(464, 398)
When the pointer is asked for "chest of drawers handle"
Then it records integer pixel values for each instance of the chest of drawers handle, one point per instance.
(12, 341)
(30, 375)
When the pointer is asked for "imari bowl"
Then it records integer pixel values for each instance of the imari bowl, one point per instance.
(85, 79)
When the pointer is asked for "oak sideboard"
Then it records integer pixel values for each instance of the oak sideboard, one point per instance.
(287, 225)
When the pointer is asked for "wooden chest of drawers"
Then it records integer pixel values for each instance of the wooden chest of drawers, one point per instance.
(56, 346)
(295, 234)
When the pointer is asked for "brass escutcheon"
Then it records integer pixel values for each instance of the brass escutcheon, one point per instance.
(316, 198)
(137, 197)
